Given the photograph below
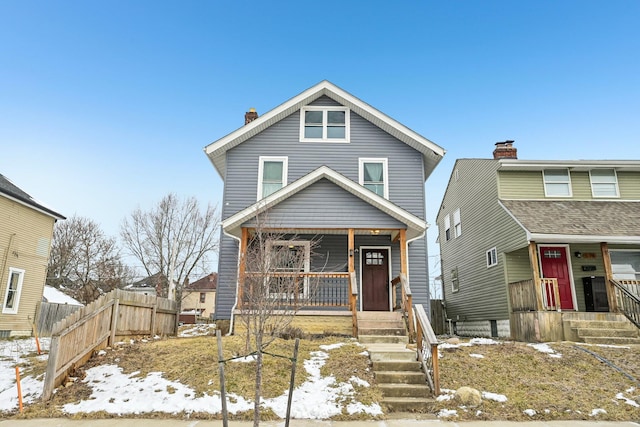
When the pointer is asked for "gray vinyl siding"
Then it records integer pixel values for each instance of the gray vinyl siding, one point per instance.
(406, 187)
(310, 209)
(482, 291)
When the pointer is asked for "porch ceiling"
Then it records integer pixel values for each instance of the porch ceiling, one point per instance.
(577, 221)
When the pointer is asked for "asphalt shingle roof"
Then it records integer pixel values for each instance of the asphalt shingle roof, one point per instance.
(580, 218)
(10, 189)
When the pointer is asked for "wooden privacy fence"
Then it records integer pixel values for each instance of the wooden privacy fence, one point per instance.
(112, 316)
(50, 313)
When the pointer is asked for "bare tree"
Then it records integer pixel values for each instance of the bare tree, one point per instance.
(175, 239)
(84, 261)
(273, 291)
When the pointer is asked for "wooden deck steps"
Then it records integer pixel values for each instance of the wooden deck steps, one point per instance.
(600, 328)
(398, 373)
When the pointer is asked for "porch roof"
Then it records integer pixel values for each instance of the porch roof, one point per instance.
(592, 221)
(415, 226)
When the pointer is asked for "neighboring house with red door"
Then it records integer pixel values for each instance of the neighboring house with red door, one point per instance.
(325, 167)
(529, 246)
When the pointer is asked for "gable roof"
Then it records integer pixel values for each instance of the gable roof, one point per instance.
(13, 192)
(207, 283)
(577, 221)
(415, 225)
(431, 153)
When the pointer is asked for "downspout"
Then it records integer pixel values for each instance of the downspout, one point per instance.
(5, 260)
(235, 304)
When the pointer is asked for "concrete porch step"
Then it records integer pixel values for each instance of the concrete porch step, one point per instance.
(611, 340)
(390, 352)
(364, 330)
(383, 339)
(610, 332)
(397, 366)
(379, 315)
(400, 377)
(601, 324)
(408, 404)
(405, 390)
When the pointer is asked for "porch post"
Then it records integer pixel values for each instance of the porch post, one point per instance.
(403, 252)
(608, 275)
(535, 269)
(351, 249)
(242, 265)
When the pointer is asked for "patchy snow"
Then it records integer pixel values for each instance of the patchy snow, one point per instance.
(494, 396)
(53, 295)
(483, 341)
(118, 393)
(530, 412)
(198, 330)
(544, 348)
(246, 359)
(445, 413)
(597, 411)
(329, 347)
(621, 396)
(477, 356)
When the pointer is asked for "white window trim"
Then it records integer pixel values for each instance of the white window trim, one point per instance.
(385, 171)
(615, 182)
(447, 228)
(285, 167)
(492, 254)
(13, 310)
(455, 283)
(544, 179)
(457, 225)
(307, 263)
(325, 109)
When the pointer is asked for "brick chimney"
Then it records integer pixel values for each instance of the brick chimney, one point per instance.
(250, 116)
(505, 150)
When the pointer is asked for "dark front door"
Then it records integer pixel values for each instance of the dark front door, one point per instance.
(375, 279)
(554, 264)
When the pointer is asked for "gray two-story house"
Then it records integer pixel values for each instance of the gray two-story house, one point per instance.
(542, 250)
(325, 166)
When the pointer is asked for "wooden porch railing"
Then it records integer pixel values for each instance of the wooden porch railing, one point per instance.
(323, 289)
(526, 295)
(628, 298)
(427, 347)
(406, 301)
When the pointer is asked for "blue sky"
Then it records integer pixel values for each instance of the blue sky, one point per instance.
(106, 106)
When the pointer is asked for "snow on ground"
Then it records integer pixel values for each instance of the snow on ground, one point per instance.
(198, 330)
(544, 348)
(118, 393)
(494, 396)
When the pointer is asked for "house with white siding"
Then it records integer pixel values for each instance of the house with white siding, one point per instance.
(328, 168)
(542, 250)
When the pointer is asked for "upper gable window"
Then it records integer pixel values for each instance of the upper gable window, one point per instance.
(328, 124)
(557, 183)
(374, 175)
(272, 175)
(604, 183)
(457, 225)
(447, 227)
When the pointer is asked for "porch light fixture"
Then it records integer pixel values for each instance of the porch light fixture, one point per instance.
(375, 232)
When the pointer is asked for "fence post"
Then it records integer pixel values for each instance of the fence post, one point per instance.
(114, 321)
(50, 375)
(153, 317)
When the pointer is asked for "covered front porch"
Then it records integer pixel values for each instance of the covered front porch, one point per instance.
(571, 283)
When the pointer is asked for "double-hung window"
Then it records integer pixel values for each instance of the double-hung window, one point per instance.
(455, 283)
(374, 176)
(492, 257)
(557, 183)
(447, 227)
(457, 226)
(604, 183)
(14, 288)
(272, 175)
(325, 124)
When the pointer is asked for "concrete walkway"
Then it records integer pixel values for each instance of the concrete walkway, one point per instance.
(130, 422)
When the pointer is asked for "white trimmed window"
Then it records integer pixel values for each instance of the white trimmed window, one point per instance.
(457, 226)
(492, 257)
(374, 175)
(272, 175)
(455, 284)
(326, 124)
(447, 228)
(12, 294)
(604, 183)
(557, 183)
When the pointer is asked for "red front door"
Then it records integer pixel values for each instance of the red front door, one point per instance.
(375, 279)
(554, 264)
